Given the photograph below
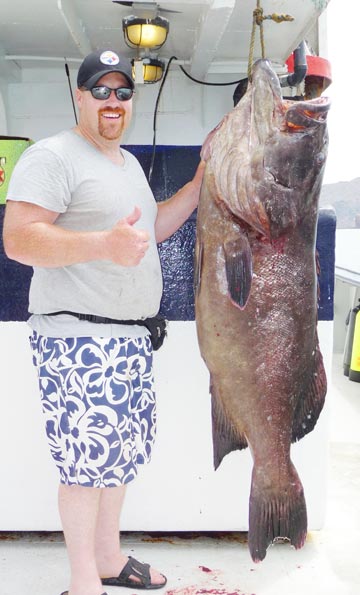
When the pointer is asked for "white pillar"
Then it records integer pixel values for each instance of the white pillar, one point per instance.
(3, 120)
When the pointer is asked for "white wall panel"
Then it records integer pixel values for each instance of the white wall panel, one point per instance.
(178, 490)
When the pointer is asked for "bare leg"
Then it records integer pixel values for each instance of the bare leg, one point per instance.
(109, 557)
(79, 508)
(110, 560)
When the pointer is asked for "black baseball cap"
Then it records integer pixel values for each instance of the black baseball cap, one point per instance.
(101, 62)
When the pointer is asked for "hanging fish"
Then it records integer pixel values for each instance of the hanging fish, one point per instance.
(256, 293)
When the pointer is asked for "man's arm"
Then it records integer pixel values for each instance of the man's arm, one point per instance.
(173, 212)
(30, 237)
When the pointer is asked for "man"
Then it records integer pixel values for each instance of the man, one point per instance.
(80, 211)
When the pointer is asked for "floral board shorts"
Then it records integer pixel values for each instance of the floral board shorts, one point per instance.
(99, 403)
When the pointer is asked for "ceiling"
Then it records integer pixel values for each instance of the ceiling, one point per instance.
(208, 36)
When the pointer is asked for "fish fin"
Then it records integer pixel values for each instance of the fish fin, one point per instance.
(225, 439)
(198, 266)
(312, 399)
(318, 272)
(276, 516)
(238, 265)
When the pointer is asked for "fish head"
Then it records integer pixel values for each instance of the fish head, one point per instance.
(290, 141)
(300, 156)
(268, 155)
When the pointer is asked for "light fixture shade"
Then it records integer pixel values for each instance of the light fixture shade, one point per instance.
(145, 33)
(152, 70)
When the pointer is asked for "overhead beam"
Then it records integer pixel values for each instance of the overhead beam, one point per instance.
(22, 57)
(75, 26)
(211, 33)
(10, 72)
(182, 2)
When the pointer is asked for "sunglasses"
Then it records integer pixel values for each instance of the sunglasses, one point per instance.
(122, 93)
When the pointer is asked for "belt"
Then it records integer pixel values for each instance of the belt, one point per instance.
(98, 319)
(156, 325)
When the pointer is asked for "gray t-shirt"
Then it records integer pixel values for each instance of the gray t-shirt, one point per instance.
(68, 175)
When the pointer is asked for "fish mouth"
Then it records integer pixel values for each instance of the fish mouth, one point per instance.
(296, 115)
(300, 115)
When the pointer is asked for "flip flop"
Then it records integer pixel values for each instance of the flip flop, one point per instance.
(66, 593)
(137, 569)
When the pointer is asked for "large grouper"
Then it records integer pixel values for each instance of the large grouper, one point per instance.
(256, 293)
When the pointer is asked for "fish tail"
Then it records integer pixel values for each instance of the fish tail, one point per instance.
(276, 515)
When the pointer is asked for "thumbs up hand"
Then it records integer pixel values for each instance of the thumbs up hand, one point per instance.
(126, 245)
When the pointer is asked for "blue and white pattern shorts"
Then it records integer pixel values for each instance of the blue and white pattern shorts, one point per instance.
(99, 403)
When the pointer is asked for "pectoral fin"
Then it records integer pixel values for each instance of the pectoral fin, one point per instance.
(238, 265)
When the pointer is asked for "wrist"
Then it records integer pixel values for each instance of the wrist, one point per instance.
(99, 246)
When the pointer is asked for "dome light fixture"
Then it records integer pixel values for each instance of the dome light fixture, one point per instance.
(152, 70)
(145, 33)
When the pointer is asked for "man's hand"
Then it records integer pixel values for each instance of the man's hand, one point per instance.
(126, 245)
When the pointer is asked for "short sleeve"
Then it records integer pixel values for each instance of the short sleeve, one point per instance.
(40, 178)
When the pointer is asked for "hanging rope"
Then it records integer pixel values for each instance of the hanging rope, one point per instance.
(258, 19)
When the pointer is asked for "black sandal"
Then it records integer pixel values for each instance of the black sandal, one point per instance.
(137, 569)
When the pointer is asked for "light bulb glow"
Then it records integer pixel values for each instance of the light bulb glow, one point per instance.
(145, 33)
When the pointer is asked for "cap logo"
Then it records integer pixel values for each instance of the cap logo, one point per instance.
(109, 58)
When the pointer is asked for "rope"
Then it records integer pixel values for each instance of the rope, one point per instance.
(258, 19)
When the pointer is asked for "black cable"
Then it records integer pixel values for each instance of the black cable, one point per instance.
(158, 99)
(71, 93)
(211, 84)
(155, 116)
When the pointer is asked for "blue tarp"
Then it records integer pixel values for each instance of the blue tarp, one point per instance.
(173, 167)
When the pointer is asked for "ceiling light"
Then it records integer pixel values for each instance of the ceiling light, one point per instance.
(152, 70)
(145, 33)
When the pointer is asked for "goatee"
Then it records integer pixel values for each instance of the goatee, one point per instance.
(111, 129)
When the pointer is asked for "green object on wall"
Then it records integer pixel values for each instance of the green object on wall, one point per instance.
(11, 148)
